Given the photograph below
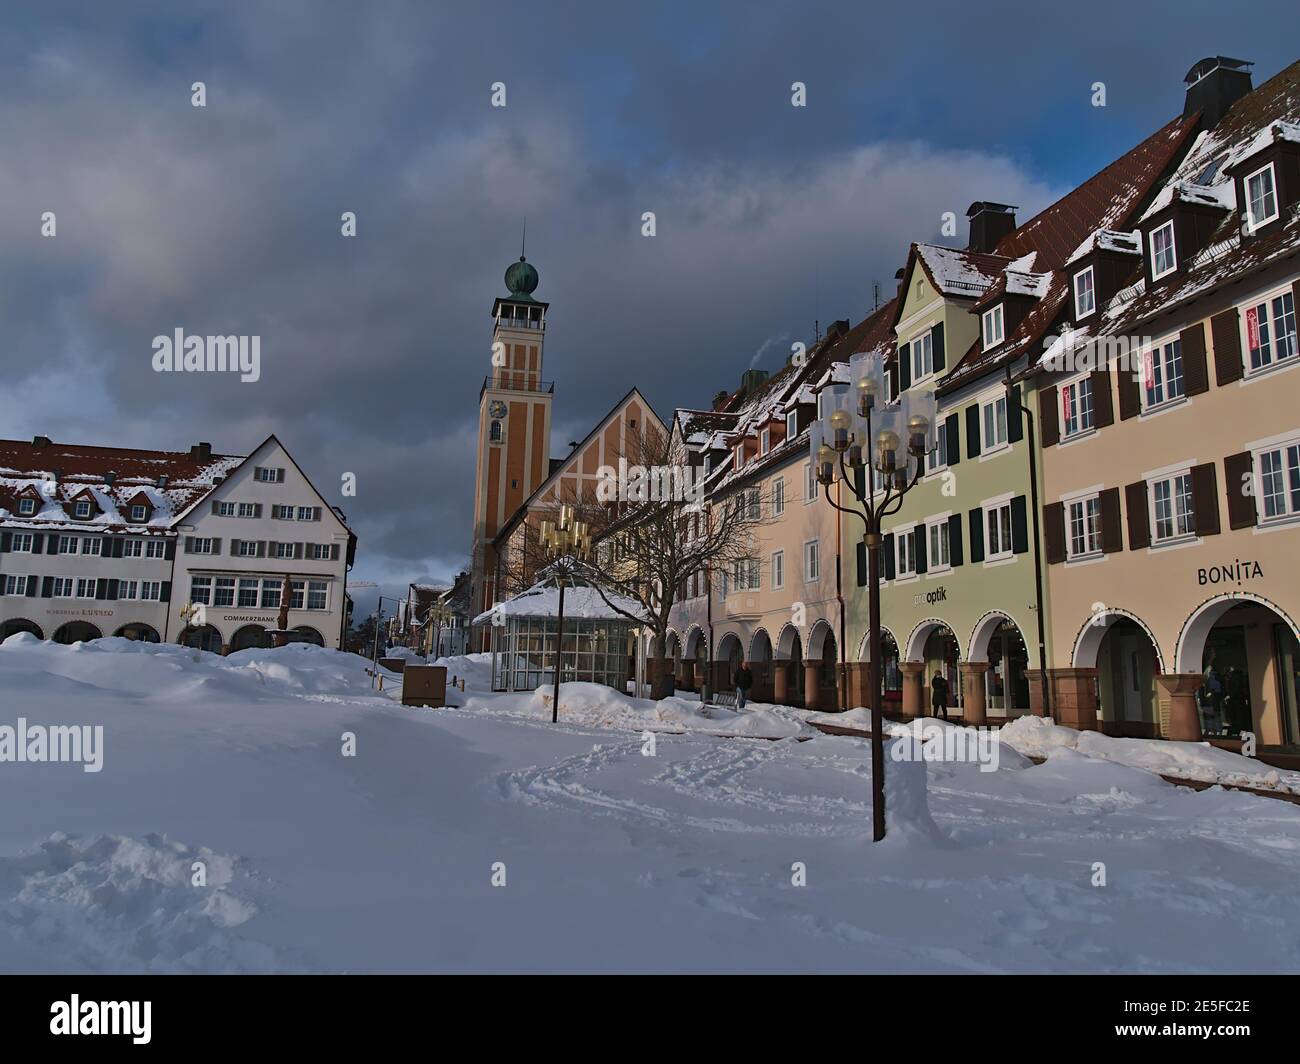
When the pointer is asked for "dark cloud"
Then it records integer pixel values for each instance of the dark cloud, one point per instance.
(226, 219)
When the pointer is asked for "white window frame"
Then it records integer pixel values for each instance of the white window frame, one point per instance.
(985, 404)
(1091, 274)
(810, 484)
(92, 545)
(26, 507)
(1170, 478)
(1154, 357)
(939, 525)
(151, 590)
(1274, 361)
(1173, 250)
(791, 424)
(1003, 551)
(922, 353)
(68, 545)
(16, 585)
(200, 590)
(77, 508)
(1290, 475)
(1252, 221)
(812, 562)
(322, 588)
(778, 496)
(247, 509)
(63, 587)
(246, 548)
(993, 327)
(1072, 388)
(139, 512)
(765, 441)
(133, 548)
(21, 543)
(1090, 534)
(778, 570)
(937, 458)
(225, 509)
(86, 587)
(155, 548)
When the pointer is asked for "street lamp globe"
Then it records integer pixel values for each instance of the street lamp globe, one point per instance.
(886, 451)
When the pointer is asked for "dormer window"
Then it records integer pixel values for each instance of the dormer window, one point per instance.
(994, 327)
(1164, 260)
(765, 441)
(1261, 197)
(792, 424)
(81, 509)
(26, 507)
(139, 512)
(1085, 293)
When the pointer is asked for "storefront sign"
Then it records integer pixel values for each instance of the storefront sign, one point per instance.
(1236, 573)
(79, 613)
(929, 598)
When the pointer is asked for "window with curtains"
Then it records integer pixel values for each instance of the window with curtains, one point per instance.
(1076, 407)
(1085, 293)
(1261, 197)
(1171, 507)
(1085, 527)
(1271, 330)
(1162, 374)
(1164, 258)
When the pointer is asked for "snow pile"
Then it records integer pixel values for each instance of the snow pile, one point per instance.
(907, 802)
(119, 904)
(1039, 737)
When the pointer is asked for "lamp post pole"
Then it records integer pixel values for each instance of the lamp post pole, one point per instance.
(844, 456)
(563, 539)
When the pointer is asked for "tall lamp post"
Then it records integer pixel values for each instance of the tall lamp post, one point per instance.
(842, 448)
(566, 540)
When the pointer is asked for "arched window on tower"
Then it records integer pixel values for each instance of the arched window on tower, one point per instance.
(494, 432)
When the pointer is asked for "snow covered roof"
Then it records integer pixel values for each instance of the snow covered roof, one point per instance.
(58, 472)
(957, 272)
(1108, 240)
(580, 601)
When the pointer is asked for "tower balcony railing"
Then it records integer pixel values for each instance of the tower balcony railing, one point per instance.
(520, 323)
(516, 381)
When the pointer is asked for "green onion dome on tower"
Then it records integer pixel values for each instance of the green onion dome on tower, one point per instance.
(521, 279)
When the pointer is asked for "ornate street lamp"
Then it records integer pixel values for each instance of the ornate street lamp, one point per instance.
(567, 540)
(861, 435)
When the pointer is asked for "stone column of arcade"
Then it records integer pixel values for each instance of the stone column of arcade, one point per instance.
(974, 711)
(780, 681)
(812, 685)
(913, 693)
(1184, 720)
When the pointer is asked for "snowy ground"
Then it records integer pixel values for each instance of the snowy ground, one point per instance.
(613, 861)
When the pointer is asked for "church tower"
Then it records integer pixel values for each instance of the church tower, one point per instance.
(514, 424)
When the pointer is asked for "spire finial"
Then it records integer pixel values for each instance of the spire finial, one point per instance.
(523, 240)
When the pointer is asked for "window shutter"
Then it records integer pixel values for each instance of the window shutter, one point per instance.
(169, 549)
(1019, 525)
(893, 379)
(113, 587)
(216, 545)
(887, 555)
(1103, 409)
(119, 547)
(1139, 521)
(189, 544)
(920, 546)
(1196, 377)
(315, 513)
(1130, 402)
(234, 547)
(1053, 531)
(257, 509)
(1049, 424)
(165, 593)
(31, 586)
(47, 586)
(973, 430)
(1112, 531)
(954, 539)
(279, 476)
(298, 550)
(976, 521)
(1205, 499)
(862, 564)
(1015, 423)
(38, 541)
(904, 367)
(952, 434)
(1238, 484)
(101, 589)
(6, 541)
(334, 552)
(261, 548)
(215, 506)
(936, 339)
(1227, 346)
(51, 544)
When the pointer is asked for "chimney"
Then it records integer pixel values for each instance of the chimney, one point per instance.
(989, 223)
(836, 329)
(751, 380)
(1214, 85)
(720, 400)
(109, 478)
(162, 480)
(201, 452)
(39, 443)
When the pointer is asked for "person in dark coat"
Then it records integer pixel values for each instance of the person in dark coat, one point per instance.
(744, 680)
(939, 695)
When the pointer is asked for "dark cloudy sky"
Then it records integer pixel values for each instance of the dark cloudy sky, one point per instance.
(226, 219)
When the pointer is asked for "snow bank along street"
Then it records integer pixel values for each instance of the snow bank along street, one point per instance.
(268, 811)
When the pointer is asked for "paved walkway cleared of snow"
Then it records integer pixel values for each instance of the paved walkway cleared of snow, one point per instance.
(610, 860)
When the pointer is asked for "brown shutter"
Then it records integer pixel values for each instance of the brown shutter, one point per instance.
(1103, 409)
(1227, 347)
(1139, 523)
(1054, 530)
(1048, 421)
(1112, 534)
(1130, 404)
(1196, 377)
(1238, 485)
(1205, 499)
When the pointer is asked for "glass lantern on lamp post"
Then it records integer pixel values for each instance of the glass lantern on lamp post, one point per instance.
(565, 541)
(885, 444)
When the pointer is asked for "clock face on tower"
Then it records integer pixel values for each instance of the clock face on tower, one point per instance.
(497, 408)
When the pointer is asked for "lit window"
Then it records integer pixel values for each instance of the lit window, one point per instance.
(993, 327)
(1271, 330)
(1085, 527)
(1261, 197)
(1172, 505)
(1162, 373)
(1163, 258)
(1085, 295)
